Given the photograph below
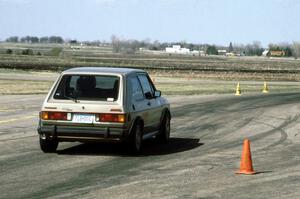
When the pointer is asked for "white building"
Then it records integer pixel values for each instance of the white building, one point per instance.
(265, 53)
(202, 53)
(176, 49)
(222, 52)
(195, 52)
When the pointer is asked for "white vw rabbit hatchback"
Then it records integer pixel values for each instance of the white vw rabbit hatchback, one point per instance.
(103, 104)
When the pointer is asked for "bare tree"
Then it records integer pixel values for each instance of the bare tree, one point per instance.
(115, 42)
(296, 49)
(14, 39)
(254, 49)
(44, 39)
(230, 48)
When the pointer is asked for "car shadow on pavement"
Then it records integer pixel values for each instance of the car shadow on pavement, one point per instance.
(150, 148)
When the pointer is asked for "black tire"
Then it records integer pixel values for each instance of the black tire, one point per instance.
(136, 138)
(48, 146)
(165, 129)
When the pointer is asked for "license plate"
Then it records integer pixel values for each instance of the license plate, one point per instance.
(83, 118)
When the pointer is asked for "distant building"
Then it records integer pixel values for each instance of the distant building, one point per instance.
(222, 52)
(74, 41)
(202, 53)
(195, 52)
(277, 53)
(265, 53)
(230, 54)
(75, 47)
(176, 49)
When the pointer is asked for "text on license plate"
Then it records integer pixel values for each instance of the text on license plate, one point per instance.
(83, 118)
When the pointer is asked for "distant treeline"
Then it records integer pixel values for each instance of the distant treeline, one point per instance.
(34, 39)
(253, 49)
(132, 46)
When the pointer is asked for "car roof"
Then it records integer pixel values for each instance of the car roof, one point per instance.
(108, 70)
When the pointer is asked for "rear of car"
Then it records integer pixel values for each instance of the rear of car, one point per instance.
(103, 104)
(83, 106)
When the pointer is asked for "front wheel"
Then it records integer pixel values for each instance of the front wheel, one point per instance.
(165, 129)
(47, 145)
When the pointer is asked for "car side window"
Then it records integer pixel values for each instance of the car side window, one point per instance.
(135, 87)
(147, 87)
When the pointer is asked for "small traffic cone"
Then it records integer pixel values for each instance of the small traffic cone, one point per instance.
(265, 89)
(238, 89)
(246, 161)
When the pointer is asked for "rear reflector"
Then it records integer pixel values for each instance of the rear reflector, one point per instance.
(45, 115)
(120, 118)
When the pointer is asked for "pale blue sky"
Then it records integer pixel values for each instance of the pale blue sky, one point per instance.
(198, 21)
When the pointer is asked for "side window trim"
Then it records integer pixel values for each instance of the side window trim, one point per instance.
(152, 87)
(139, 85)
(151, 83)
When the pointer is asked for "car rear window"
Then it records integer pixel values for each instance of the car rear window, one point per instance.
(88, 87)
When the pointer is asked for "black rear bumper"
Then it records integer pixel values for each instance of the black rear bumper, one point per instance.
(76, 133)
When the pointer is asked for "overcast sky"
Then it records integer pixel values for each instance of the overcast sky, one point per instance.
(198, 21)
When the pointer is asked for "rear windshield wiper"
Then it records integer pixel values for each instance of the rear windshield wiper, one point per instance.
(74, 99)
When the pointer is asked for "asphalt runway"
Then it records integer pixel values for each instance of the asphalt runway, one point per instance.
(199, 162)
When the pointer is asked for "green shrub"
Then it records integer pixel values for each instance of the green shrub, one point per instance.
(27, 52)
(9, 51)
(211, 50)
(55, 52)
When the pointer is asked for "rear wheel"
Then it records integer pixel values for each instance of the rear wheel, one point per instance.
(47, 145)
(137, 138)
(165, 129)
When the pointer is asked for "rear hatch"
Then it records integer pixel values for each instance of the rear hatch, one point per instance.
(85, 100)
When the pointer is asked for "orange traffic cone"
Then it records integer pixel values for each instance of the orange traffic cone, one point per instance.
(246, 161)
(265, 88)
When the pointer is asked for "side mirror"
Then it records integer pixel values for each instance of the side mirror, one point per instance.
(157, 93)
(148, 95)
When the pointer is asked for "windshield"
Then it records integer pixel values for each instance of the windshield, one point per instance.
(88, 87)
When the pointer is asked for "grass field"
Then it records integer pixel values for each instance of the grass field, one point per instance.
(30, 82)
(204, 67)
(174, 75)
(23, 87)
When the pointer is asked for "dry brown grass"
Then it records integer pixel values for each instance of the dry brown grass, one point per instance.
(196, 86)
(22, 87)
(169, 83)
(243, 68)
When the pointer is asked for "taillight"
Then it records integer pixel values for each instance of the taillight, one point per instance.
(107, 117)
(45, 115)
